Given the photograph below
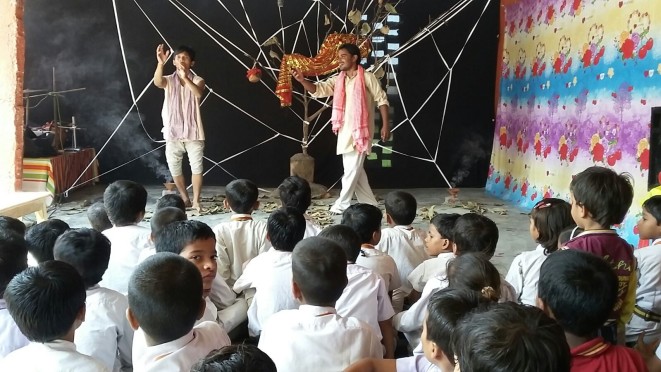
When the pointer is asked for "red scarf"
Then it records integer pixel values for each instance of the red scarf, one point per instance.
(359, 127)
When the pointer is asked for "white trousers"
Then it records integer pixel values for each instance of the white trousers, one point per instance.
(354, 181)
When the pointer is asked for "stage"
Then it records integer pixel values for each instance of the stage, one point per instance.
(512, 222)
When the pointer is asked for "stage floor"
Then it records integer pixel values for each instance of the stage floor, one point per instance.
(512, 222)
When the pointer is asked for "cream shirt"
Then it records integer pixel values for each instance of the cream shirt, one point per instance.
(430, 268)
(54, 356)
(127, 242)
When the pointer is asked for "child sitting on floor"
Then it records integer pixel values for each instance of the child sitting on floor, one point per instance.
(98, 218)
(40, 239)
(170, 200)
(13, 260)
(236, 358)
(295, 192)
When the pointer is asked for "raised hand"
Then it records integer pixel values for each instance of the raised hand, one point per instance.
(298, 75)
(161, 54)
(181, 72)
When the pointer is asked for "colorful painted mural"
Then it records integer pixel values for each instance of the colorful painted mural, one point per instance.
(578, 80)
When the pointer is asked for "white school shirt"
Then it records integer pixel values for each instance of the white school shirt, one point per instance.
(54, 356)
(428, 269)
(523, 274)
(365, 298)
(238, 241)
(11, 338)
(648, 293)
(221, 294)
(106, 334)
(406, 245)
(410, 321)
(312, 228)
(315, 338)
(182, 353)
(271, 276)
(415, 363)
(126, 243)
(210, 312)
(381, 264)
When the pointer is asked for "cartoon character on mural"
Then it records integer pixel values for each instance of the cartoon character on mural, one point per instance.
(635, 41)
(597, 149)
(503, 138)
(643, 155)
(520, 71)
(593, 51)
(505, 67)
(539, 65)
(562, 61)
(521, 142)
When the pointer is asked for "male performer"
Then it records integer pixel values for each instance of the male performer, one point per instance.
(182, 122)
(353, 121)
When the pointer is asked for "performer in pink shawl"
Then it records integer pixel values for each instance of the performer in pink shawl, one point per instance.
(182, 122)
(355, 92)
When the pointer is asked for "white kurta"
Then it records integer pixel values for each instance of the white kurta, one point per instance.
(11, 337)
(381, 264)
(127, 242)
(430, 268)
(55, 356)
(523, 274)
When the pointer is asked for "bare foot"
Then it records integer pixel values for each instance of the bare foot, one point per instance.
(187, 203)
(197, 207)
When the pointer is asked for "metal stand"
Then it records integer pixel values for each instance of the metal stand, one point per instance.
(74, 129)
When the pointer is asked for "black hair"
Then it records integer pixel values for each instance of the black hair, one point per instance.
(295, 192)
(13, 257)
(550, 216)
(568, 234)
(41, 238)
(12, 224)
(580, 289)
(364, 219)
(319, 268)
(475, 272)
(236, 358)
(87, 250)
(175, 236)
(285, 227)
(444, 224)
(98, 217)
(475, 233)
(165, 294)
(165, 216)
(401, 207)
(346, 238)
(653, 207)
(605, 194)
(185, 49)
(45, 300)
(125, 202)
(352, 49)
(444, 310)
(510, 337)
(241, 195)
(170, 200)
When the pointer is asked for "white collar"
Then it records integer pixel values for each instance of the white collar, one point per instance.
(313, 310)
(157, 352)
(59, 345)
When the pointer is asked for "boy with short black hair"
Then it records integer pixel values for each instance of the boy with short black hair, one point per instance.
(161, 218)
(40, 239)
(105, 334)
(125, 203)
(401, 241)
(12, 224)
(579, 291)
(165, 300)
(295, 192)
(235, 358)
(98, 218)
(269, 274)
(314, 335)
(365, 296)
(510, 337)
(365, 220)
(170, 200)
(600, 198)
(48, 304)
(241, 238)
(13, 260)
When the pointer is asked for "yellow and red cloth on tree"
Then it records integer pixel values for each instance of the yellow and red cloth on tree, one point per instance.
(322, 64)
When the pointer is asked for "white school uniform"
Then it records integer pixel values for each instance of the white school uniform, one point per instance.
(430, 268)
(523, 274)
(410, 321)
(126, 244)
(54, 356)
(648, 293)
(11, 338)
(415, 363)
(271, 276)
(315, 338)
(182, 353)
(312, 228)
(365, 298)
(381, 264)
(106, 334)
(238, 241)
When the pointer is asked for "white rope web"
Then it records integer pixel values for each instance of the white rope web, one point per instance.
(316, 9)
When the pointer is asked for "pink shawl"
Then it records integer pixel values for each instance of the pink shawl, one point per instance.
(181, 117)
(359, 127)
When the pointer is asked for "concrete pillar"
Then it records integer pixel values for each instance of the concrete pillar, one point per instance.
(12, 43)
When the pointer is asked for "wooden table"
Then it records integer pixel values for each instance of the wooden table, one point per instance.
(19, 204)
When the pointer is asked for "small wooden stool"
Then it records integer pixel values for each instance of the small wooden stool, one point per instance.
(19, 204)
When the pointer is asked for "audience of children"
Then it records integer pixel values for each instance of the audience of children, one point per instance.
(401, 241)
(98, 218)
(47, 302)
(40, 239)
(165, 296)
(236, 358)
(88, 251)
(314, 337)
(295, 192)
(13, 260)
(548, 218)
